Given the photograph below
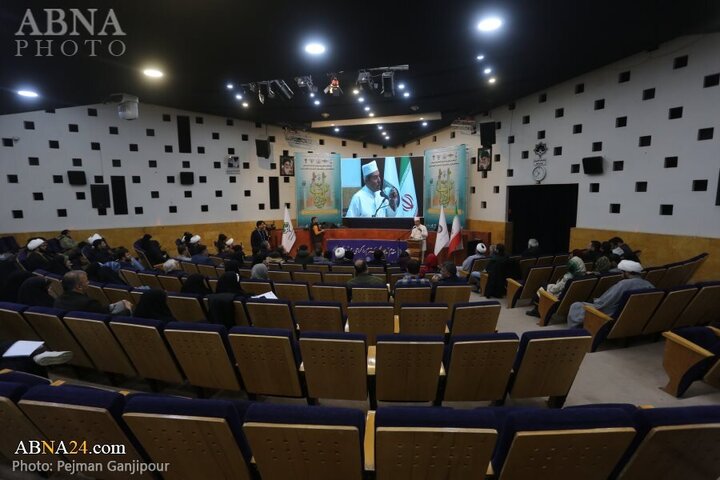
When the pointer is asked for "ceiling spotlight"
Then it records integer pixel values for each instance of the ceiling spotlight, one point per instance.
(27, 93)
(388, 83)
(406, 94)
(380, 127)
(245, 105)
(356, 91)
(387, 137)
(312, 95)
(492, 80)
(422, 118)
(424, 124)
(367, 109)
(317, 102)
(336, 129)
(489, 24)
(361, 99)
(315, 48)
(371, 114)
(152, 73)
(238, 96)
(333, 87)
(480, 57)
(230, 86)
(401, 86)
(487, 71)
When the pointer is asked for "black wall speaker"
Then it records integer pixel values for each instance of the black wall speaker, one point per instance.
(100, 196)
(262, 148)
(187, 178)
(76, 177)
(592, 165)
(487, 134)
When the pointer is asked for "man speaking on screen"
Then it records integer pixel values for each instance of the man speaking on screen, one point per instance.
(372, 200)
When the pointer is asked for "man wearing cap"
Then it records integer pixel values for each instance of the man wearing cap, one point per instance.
(609, 301)
(419, 232)
(39, 258)
(371, 200)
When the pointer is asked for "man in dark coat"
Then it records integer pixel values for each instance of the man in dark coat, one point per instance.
(75, 284)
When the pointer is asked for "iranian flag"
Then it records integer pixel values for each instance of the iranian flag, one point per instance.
(288, 235)
(442, 239)
(408, 197)
(456, 234)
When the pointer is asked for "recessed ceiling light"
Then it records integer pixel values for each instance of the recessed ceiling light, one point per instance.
(356, 91)
(230, 86)
(153, 73)
(238, 96)
(424, 124)
(315, 48)
(27, 93)
(317, 102)
(245, 105)
(387, 137)
(422, 118)
(367, 109)
(401, 86)
(489, 24)
(487, 70)
(371, 114)
(406, 94)
(361, 99)
(337, 129)
(480, 57)
(380, 127)
(492, 80)
(332, 124)
(312, 95)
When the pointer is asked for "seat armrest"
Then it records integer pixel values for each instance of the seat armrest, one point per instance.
(594, 319)
(369, 441)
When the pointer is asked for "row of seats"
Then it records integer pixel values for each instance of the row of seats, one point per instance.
(691, 354)
(336, 364)
(674, 274)
(537, 277)
(651, 311)
(200, 438)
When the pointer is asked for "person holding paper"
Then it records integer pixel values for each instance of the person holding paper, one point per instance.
(371, 200)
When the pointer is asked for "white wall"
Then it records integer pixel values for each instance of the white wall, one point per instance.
(694, 212)
(42, 215)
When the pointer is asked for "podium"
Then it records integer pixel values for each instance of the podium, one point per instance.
(414, 248)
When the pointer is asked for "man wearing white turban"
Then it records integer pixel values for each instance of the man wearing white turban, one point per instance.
(371, 200)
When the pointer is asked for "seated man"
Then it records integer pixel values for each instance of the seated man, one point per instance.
(622, 249)
(378, 259)
(172, 267)
(480, 251)
(609, 301)
(448, 275)
(100, 252)
(202, 256)
(320, 258)
(533, 249)
(124, 260)
(74, 285)
(363, 278)
(411, 278)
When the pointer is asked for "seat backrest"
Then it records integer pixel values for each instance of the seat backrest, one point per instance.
(202, 351)
(669, 309)
(525, 265)
(245, 273)
(673, 276)
(635, 313)
(116, 293)
(681, 442)
(474, 318)
(48, 324)
(241, 318)
(92, 332)
(317, 267)
(343, 269)
(479, 366)
(557, 273)
(143, 342)
(424, 318)
(186, 307)
(180, 432)
(256, 287)
(447, 444)
(150, 280)
(367, 294)
(407, 367)
(452, 294)
(208, 271)
(330, 293)
(545, 261)
(336, 436)
(655, 275)
(704, 307)
(371, 319)
(561, 259)
(693, 265)
(189, 267)
(547, 362)
(14, 325)
(411, 295)
(170, 283)
(335, 365)
(291, 267)
(309, 277)
(376, 270)
(604, 283)
(537, 277)
(270, 313)
(268, 360)
(131, 278)
(334, 277)
(318, 316)
(95, 291)
(279, 276)
(17, 427)
(576, 290)
(479, 264)
(292, 291)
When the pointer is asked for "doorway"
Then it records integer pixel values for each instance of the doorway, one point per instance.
(544, 212)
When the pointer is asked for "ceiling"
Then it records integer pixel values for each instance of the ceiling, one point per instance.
(202, 46)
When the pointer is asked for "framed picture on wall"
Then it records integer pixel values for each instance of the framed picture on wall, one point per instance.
(287, 166)
(484, 163)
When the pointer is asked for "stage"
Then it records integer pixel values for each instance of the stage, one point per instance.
(394, 236)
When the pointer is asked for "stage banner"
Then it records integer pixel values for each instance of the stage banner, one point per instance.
(318, 187)
(445, 183)
(364, 249)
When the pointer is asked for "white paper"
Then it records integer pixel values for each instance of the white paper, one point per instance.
(22, 348)
(268, 295)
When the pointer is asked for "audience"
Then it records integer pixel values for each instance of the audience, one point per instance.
(480, 251)
(153, 305)
(321, 258)
(35, 292)
(172, 267)
(40, 258)
(194, 245)
(622, 250)
(11, 286)
(303, 256)
(229, 282)
(533, 249)
(202, 257)
(430, 266)
(403, 260)
(66, 241)
(363, 278)
(378, 259)
(151, 249)
(448, 275)
(412, 277)
(183, 253)
(575, 269)
(195, 283)
(259, 272)
(499, 268)
(74, 297)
